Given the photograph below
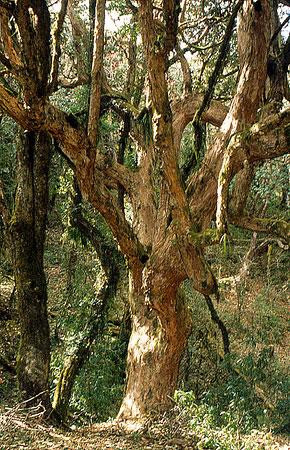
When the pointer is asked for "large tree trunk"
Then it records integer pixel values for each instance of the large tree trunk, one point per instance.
(155, 350)
(27, 229)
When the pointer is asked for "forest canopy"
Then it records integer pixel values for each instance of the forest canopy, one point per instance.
(146, 139)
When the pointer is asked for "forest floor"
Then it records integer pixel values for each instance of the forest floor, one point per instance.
(20, 431)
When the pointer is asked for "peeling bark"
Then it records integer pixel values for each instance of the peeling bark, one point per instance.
(154, 355)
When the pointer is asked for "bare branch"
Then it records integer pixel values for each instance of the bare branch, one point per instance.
(33, 22)
(214, 76)
(13, 107)
(253, 40)
(187, 80)
(171, 10)
(282, 25)
(215, 318)
(132, 55)
(80, 40)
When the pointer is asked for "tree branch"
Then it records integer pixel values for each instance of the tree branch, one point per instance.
(216, 319)
(187, 80)
(33, 22)
(185, 109)
(80, 40)
(218, 69)
(272, 226)
(264, 140)
(56, 51)
(10, 58)
(171, 11)
(13, 107)
(96, 72)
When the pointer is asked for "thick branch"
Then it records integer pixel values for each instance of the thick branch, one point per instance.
(93, 174)
(80, 40)
(10, 58)
(272, 226)
(185, 109)
(33, 22)
(267, 139)
(171, 14)
(219, 63)
(13, 108)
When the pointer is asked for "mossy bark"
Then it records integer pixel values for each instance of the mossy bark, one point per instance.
(75, 362)
(113, 266)
(27, 229)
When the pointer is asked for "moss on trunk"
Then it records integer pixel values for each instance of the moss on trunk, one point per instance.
(27, 229)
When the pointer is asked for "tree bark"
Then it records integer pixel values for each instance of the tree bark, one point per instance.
(74, 363)
(113, 265)
(28, 225)
(154, 354)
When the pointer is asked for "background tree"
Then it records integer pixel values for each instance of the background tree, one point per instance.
(27, 235)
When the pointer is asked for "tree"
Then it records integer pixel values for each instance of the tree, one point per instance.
(113, 266)
(164, 243)
(27, 235)
(25, 230)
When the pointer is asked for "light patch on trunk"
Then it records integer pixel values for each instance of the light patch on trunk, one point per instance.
(33, 17)
(141, 340)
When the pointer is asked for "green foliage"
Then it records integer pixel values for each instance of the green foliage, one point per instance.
(227, 426)
(226, 399)
(72, 101)
(271, 183)
(8, 132)
(98, 390)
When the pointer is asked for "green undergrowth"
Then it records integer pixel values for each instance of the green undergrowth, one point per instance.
(227, 418)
